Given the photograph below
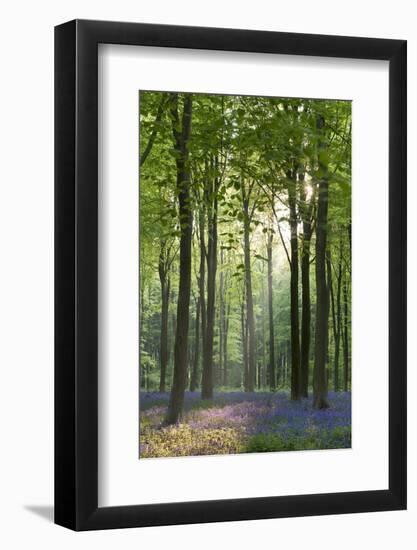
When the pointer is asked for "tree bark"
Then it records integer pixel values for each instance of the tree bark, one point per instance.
(336, 317)
(225, 345)
(295, 322)
(250, 322)
(211, 200)
(244, 338)
(322, 309)
(202, 276)
(271, 316)
(306, 213)
(288, 363)
(196, 358)
(329, 285)
(345, 335)
(181, 138)
(221, 320)
(305, 317)
(165, 288)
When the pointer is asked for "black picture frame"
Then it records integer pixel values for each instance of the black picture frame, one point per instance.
(76, 272)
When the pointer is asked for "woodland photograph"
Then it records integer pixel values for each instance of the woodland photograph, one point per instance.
(244, 274)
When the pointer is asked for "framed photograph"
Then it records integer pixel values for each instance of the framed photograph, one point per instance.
(230, 255)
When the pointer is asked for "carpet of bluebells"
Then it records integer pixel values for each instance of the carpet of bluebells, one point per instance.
(238, 422)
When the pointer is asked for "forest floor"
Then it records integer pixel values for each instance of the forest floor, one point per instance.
(238, 422)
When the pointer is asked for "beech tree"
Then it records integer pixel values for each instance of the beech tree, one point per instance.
(322, 309)
(181, 127)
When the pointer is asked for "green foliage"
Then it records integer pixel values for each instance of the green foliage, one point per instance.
(336, 438)
(254, 148)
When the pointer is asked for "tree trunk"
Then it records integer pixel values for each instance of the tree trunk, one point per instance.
(221, 319)
(194, 374)
(306, 209)
(250, 323)
(164, 333)
(181, 138)
(305, 318)
(202, 277)
(305, 308)
(345, 335)
(295, 323)
(225, 345)
(322, 310)
(244, 346)
(271, 317)
(331, 309)
(212, 205)
(262, 373)
(165, 288)
(328, 288)
(288, 359)
(336, 316)
(207, 378)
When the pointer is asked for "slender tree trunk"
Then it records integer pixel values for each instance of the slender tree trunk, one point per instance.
(196, 358)
(278, 367)
(345, 335)
(202, 278)
(244, 346)
(305, 309)
(284, 366)
(295, 322)
(164, 333)
(211, 200)
(207, 379)
(250, 323)
(221, 319)
(331, 309)
(262, 373)
(288, 359)
(346, 310)
(328, 288)
(336, 314)
(165, 288)
(181, 138)
(225, 345)
(322, 309)
(271, 317)
(338, 325)
(306, 209)
(171, 335)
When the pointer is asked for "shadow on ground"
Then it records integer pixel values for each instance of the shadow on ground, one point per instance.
(45, 512)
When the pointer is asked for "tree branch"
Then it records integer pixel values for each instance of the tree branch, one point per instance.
(154, 132)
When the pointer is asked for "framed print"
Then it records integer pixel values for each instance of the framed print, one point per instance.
(230, 254)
